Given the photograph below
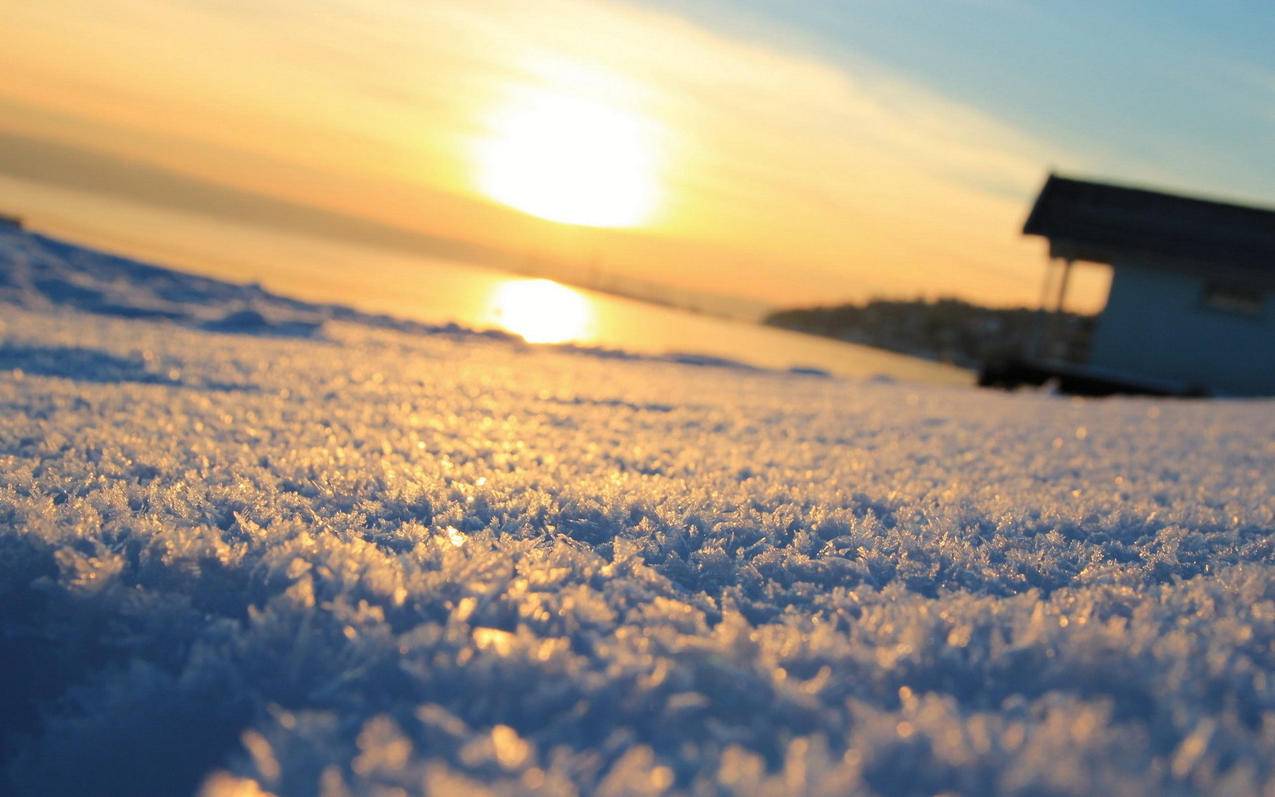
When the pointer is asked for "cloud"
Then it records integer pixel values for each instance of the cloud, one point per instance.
(82, 169)
(797, 175)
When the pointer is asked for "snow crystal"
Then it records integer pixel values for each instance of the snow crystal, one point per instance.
(244, 555)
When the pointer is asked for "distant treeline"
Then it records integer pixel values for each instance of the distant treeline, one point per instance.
(949, 330)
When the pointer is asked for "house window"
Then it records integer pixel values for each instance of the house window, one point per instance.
(1234, 299)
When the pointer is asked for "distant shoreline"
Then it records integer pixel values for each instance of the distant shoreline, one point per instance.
(945, 330)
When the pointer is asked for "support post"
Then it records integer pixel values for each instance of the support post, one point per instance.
(1036, 345)
(1047, 286)
(1062, 285)
(1057, 345)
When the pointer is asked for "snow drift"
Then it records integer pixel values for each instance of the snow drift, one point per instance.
(250, 545)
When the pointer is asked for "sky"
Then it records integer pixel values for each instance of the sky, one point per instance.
(786, 153)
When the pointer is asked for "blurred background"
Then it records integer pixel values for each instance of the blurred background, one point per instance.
(537, 167)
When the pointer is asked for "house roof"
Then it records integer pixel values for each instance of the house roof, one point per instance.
(1107, 223)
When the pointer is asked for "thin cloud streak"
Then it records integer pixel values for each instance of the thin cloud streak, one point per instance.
(786, 177)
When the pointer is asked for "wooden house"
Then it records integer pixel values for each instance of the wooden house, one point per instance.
(1191, 308)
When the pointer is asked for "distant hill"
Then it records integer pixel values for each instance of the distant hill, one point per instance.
(949, 330)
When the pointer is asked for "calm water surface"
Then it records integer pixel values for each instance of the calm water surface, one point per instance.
(437, 291)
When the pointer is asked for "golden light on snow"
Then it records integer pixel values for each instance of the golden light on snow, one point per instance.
(541, 311)
(570, 157)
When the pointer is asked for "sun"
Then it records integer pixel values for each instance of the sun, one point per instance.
(570, 159)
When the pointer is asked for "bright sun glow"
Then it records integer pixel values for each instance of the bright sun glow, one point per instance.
(565, 158)
(541, 311)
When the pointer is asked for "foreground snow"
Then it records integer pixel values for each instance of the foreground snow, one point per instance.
(259, 545)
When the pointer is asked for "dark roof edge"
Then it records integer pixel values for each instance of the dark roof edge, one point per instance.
(1054, 178)
(1032, 221)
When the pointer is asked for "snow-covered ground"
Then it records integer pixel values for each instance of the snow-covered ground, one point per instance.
(250, 545)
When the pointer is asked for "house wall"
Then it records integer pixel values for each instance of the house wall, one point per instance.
(1157, 324)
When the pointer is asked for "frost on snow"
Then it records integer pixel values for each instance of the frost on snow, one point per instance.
(252, 546)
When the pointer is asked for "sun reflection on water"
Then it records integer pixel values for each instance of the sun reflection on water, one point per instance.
(541, 311)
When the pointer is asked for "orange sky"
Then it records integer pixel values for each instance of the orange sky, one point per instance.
(776, 177)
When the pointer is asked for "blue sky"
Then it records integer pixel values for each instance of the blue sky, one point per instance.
(1175, 93)
(791, 152)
